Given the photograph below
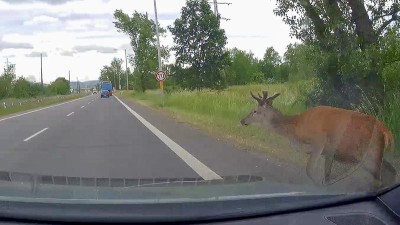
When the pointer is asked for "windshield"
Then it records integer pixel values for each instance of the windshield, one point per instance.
(198, 99)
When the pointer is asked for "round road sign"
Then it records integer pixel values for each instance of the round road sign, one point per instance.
(161, 75)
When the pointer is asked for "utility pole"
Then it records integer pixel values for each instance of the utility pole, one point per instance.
(77, 84)
(158, 44)
(216, 7)
(69, 80)
(119, 78)
(158, 37)
(126, 71)
(41, 69)
(114, 86)
(215, 3)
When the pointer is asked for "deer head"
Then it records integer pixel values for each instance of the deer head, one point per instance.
(263, 113)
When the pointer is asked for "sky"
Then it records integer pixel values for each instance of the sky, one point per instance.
(79, 35)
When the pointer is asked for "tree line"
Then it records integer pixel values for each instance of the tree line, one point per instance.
(13, 87)
(351, 47)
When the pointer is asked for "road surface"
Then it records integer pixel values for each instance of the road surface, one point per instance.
(94, 137)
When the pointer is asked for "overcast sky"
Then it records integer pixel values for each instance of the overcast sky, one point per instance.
(79, 35)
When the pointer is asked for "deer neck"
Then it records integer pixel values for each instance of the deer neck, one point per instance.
(282, 124)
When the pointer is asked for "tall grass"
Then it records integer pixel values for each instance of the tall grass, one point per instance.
(389, 114)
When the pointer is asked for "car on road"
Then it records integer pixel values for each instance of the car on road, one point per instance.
(105, 94)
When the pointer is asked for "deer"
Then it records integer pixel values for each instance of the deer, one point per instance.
(333, 133)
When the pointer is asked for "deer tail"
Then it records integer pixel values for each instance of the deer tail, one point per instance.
(389, 140)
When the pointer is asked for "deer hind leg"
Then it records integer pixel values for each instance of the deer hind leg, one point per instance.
(374, 166)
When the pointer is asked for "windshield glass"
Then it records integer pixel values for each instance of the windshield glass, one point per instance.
(198, 99)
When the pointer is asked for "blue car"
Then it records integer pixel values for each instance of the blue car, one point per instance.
(105, 94)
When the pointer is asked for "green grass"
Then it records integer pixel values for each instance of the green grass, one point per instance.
(33, 105)
(220, 112)
(391, 117)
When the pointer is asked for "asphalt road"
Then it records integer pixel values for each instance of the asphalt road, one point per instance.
(94, 137)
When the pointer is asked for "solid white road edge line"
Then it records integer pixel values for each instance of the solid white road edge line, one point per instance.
(201, 169)
(70, 114)
(37, 110)
(35, 134)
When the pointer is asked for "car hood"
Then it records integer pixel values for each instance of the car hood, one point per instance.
(36, 187)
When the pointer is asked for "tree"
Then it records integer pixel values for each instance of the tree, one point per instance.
(6, 81)
(60, 86)
(116, 69)
(347, 32)
(142, 32)
(106, 74)
(270, 63)
(302, 61)
(199, 45)
(243, 68)
(22, 88)
(36, 89)
(390, 59)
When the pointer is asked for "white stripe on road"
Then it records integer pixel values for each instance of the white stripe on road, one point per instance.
(82, 107)
(89, 103)
(70, 114)
(37, 110)
(35, 134)
(201, 169)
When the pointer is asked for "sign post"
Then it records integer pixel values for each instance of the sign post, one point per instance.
(161, 76)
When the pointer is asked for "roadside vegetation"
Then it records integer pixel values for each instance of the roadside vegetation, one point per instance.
(27, 94)
(45, 101)
(341, 60)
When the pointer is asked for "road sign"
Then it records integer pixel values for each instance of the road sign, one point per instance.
(161, 75)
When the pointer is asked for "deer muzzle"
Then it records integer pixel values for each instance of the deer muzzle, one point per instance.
(243, 122)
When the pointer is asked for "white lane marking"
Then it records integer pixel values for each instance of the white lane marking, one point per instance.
(70, 114)
(201, 169)
(37, 110)
(89, 103)
(82, 107)
(35, 134)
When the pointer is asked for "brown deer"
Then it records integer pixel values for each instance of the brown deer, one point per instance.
(336, 134)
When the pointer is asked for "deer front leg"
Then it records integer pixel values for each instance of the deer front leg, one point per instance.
(311, 164)
(328, 169)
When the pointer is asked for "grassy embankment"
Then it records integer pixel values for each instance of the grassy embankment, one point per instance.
(34, 105)
(220, 113)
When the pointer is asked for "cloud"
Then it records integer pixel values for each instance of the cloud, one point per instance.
(67, 53)
(50, 2)
(99, 36)
(247, 36)
(41, 20)
(36, 54)
(6, 45)
(99, 49)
